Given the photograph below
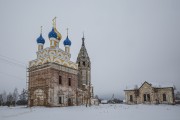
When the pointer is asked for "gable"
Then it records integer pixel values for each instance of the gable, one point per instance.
(145, 85)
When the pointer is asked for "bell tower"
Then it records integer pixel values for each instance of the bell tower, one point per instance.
(84, 67)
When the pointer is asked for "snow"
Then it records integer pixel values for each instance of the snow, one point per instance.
(101, 112)
(153, 84)
(159, 85)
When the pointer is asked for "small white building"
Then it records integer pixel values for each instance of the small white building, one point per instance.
(104, 102)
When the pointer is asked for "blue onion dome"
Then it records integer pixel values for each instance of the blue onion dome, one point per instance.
(40, 39)
(67, 41)
(52, 34)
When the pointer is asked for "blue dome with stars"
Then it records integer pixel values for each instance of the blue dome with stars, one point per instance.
(52, 34)
(40, 39)
(67, 41)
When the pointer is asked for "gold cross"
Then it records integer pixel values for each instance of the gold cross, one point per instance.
(54, 22)
(41, 29)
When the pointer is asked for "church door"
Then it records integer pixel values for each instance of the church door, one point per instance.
(69, 102)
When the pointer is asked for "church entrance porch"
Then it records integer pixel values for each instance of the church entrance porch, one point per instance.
(39, 98)
(70, 102)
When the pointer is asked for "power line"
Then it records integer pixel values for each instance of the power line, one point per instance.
(12, 76)
(12, 61)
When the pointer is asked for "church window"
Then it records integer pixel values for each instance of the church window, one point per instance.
(79, 64)
(60, 100)
(164, 97)
(84, 64)
(60, 80)
(131, 98)
(148, 97)
(69, 81)
(144, 97)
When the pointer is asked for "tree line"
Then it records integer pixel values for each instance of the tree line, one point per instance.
(13, 98)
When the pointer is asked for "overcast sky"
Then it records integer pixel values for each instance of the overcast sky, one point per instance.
(128, 41)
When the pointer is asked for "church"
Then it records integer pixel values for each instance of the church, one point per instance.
(55, 80)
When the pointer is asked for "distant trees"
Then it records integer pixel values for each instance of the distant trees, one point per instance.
(14, 98)
(177, 95)
(135, 87)
(4, 97)
(115, 101)
(23, 98)
(111, 101)
(10, 101)
(1, 100)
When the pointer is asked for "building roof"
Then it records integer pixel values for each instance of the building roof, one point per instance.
(83, 54)
(153, 84)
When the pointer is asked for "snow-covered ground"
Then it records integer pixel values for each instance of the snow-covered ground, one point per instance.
(101, 112)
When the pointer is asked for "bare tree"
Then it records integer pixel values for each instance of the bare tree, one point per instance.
(177, 95)
(4, 97)
(135, 87)
(15, 95)
(23, 98)
(96, 97)
(174, 87)
(1, 100)
(9, 99)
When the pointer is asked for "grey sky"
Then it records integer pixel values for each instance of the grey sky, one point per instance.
(128, 41)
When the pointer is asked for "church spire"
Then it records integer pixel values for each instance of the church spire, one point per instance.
(83, 54)
(83, 40)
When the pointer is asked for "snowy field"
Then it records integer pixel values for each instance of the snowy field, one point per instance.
(101, 112)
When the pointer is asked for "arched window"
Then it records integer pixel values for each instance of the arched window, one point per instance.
(60, 100)
(164, 97)
(84, 63)
(148, 97)
(60, 80)
(144, 97)
(131, 98)
(69, 81)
